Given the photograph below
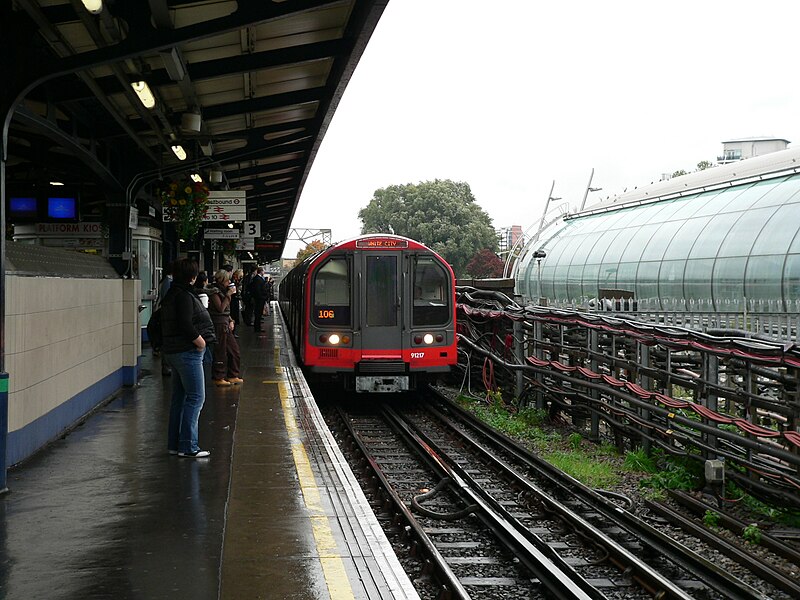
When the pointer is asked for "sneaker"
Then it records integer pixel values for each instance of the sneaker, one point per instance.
(236, 380)
(222, 382)
(173, 452)
(195, 454)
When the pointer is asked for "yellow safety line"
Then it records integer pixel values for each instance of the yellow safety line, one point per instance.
(332, 565)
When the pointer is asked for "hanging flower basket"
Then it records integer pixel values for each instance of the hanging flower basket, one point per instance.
(185, 203)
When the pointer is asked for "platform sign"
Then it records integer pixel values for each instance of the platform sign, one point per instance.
(251, 229)
(226, 206)
(246, 244)
(221, 234)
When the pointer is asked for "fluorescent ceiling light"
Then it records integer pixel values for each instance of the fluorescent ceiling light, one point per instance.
(230, 225)
(145, 94)
(196, 177)
(93, 6)
(179, 152)
(56, 183)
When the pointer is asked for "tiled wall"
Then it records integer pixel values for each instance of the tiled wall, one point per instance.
(70, 344)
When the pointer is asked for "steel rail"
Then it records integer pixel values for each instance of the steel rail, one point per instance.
(561, 580)
(445, 574)
(647, 577)
(703, 569)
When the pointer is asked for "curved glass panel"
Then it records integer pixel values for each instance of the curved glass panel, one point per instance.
(647, 279)
(727, 282)
(751, 193)
(782, 192)
(741, 236)
(633, 251)
(670, 279)
(685, 237)
(779, 231)
(762, 280)
(697, 279)
(626, 276)
(708, 243)
(712, 203)
(589, 277)
(791, 282)
(620, 243)
(657, 245)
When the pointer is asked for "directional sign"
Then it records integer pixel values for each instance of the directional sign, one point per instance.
(246, 244)
(251, 229)
(221, 234)
(226, 206)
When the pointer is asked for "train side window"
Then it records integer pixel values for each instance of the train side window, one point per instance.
(332, 293)
(431, 293)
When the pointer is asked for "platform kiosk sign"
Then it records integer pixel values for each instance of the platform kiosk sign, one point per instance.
(226, 206)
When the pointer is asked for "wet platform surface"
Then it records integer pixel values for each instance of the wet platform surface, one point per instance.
(105, 512)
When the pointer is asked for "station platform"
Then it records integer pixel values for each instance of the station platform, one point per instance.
(274, 512)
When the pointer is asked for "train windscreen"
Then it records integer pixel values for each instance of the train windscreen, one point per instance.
(431, 293)
(381, 291)
(332, 293)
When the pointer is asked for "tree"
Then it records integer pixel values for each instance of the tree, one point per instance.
(679, 173)
(312, 248)
(442, 214)
(703, 165)
(485, 264)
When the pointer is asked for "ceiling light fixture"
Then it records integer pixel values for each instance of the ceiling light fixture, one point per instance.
(215, 176)
(56, 183)
(179, 152)
(144, 92)
(230, 225)
(196, 177)
(93, 6)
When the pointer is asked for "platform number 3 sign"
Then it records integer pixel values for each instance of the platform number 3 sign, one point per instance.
(252, 229)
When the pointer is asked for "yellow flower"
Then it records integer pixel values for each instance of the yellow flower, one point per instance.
(187, 189)
(173, 186)
(181, 201)
(173, 201)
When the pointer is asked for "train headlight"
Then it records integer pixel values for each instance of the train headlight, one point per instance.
(334, 338)
(428, 338)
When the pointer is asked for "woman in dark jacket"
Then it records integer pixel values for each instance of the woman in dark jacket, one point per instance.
(225, 370)
(187, 328)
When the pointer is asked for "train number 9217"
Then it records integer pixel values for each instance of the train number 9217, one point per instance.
(326, 314)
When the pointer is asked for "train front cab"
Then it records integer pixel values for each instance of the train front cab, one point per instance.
(382, 320)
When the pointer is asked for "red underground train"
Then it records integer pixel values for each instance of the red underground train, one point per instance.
(376, 313)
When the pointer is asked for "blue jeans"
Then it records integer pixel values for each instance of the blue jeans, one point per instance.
(188, 395)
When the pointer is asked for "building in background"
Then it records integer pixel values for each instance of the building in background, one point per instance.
(739, 149)
(508, 236)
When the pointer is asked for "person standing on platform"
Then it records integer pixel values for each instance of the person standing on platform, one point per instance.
(225, 369)
(187, 329)
(236, 305)
(259, 295)
(247, 299)
(163, 288)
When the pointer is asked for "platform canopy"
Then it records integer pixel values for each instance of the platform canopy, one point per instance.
(246, 89)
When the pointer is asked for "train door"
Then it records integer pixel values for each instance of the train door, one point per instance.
(381, 322)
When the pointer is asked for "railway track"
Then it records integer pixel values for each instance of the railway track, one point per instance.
(478, 517)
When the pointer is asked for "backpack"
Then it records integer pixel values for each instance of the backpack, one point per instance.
(154, 332)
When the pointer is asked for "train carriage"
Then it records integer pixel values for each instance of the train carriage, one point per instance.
(376, 312)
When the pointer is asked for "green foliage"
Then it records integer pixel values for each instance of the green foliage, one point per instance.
(711, 518)
(312, 248)
(441, 214)
(582, 468)
(678, 173)
(639, 461)
(676, 474)
(703, 165)
(752, 534)
(575, 440)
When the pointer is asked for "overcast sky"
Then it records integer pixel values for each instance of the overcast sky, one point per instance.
(512, 94)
